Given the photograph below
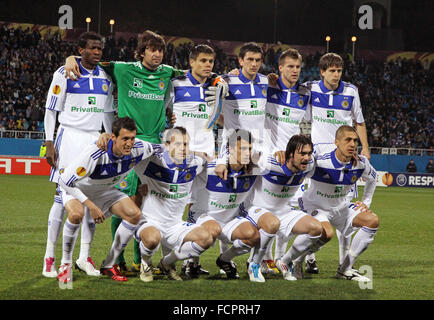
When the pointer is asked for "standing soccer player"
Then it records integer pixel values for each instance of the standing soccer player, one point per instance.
(89, 181)
(141, 88)
(83, 106)
(327, 200)
(334, 103)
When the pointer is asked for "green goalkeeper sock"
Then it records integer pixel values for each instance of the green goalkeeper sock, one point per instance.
(137, 254)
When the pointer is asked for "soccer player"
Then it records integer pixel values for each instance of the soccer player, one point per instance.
(334, 103)
(327, 200)
(141, 87)
(83, 106)
(169, 177)
(89, 180)
(287, 106)
(223, 195)
(244, 107)
(272, 193)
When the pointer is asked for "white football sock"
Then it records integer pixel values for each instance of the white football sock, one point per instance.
(280, 248)
(87, 233)
(363, 238)
(259, 251)
(147, 253)
(55, 220)
(238, 248)
(302, 245)
(70, 234)
(344, 246)
(188, 250)
(123, 235)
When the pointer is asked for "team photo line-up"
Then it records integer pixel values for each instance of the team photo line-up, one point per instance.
(243, 186)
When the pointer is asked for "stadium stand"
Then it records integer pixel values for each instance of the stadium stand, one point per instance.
(397, 96)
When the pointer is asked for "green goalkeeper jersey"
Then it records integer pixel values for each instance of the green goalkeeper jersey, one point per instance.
(141, 95)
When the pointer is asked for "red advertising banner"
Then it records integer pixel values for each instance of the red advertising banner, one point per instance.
(24, 165)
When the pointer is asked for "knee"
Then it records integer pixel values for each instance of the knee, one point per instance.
(327, 234)
(374, 222)
(315, 229)
(205, 239)
(134, 215)
(150, 239)
(75, 216)
(254, 236)
(213, 228)
(270, 224)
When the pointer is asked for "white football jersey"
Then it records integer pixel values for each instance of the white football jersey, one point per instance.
(220, 198)
(332, 180)
(285, 109)
(332, 109)
(96, 169)
(187, 97)
(276, 187)
(81, 103)
(244, 107)
(169, 186)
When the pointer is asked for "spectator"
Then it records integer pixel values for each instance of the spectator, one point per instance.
(411, 166)
(430, 166)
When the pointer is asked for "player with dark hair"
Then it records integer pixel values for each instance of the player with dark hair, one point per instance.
(83, 106)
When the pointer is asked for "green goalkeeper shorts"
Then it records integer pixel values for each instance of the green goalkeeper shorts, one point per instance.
(130, 184)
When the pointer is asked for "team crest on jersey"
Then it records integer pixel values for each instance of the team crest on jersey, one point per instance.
(56, 89)
(161, 85)
(81, 171)
(62, 170)
(258, 210)
(314, 213)
(246, 185)
(345, 104)
(187, 177)
(264, 91)
(132, 164)
(353, 179)
(300, 102)
(104, 86)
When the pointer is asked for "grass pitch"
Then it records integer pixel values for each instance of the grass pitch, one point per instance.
(401, 257)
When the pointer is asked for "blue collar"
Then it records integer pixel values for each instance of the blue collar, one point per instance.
(84, 72)
(112, 156)
(324, 89)
(172, 164)
(192, 79)
(337, 164)
(286, 170)
(283, 87)
(245, 80)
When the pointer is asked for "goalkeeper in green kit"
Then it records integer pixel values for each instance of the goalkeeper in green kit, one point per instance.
(141, 87)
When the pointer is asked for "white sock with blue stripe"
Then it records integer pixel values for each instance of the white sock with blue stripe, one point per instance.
(363, 238)
(55, 220)
(259, 251)
(238, 248)
(123, 235)
(189, 249)
(70, 235)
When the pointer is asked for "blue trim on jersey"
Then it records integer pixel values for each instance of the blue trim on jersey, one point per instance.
(114, 157)
(193, 94)
(216, 184)
(281, 97)
(340, 102)
(53, 102)
(84, 72)
(331, 176)
(84, 88)
(245, 80)
(159, 173)
(171, 164)
(192, 79)
(245, 93)
(324, 89)
(110, 170)
(97, 154)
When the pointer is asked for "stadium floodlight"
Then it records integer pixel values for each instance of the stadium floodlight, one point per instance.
(354, 39)
(111, 22)
(88, 20)
(328, 38)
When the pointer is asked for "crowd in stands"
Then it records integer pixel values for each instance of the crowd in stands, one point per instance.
(397, 97)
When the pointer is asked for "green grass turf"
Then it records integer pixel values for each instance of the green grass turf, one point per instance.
(401, 257)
